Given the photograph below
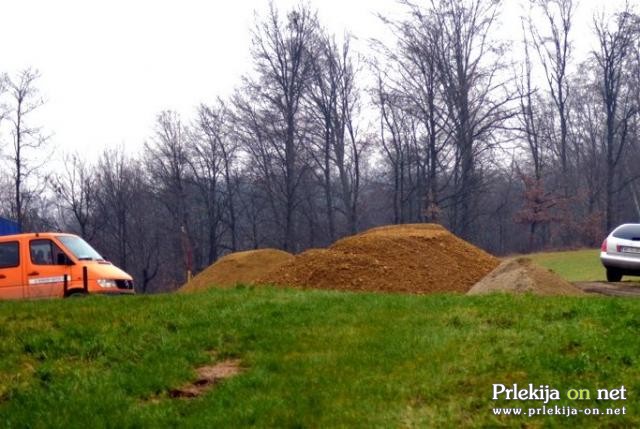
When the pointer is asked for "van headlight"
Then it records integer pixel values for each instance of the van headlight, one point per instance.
(106, 283)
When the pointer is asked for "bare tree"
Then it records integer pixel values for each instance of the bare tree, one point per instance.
(75, 190)
(26, 139)
(588, 129)
(282, 54)
(529, 120)
(538, 203)
(334, 100)
(615, 44)
(5, 180)
(4, 109)
(115, 176)
(212, 162)
(323, 112)
(394, 138)
(168, 162)
(134, 231)
(148, 250)
(415, 75)
(254, 208)
(474, 90)
(554, 51)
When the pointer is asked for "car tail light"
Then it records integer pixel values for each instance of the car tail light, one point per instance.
(604, 245)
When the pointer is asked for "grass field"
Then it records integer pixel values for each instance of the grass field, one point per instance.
(576, 265)
(312, 358)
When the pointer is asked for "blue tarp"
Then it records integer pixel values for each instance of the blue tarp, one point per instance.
(8, 227)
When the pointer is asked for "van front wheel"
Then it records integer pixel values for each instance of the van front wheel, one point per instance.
(77, 293)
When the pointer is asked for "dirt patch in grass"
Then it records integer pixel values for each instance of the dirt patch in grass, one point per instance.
(522, 275)
(208, 376)
(240, 267)
(413, 258)
(628, 289)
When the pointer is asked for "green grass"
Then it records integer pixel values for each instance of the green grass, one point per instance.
(313, 359)
(574, 265)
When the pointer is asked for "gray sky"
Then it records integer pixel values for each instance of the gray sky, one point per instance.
(108, 67)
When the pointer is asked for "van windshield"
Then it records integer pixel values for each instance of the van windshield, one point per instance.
(80, 248)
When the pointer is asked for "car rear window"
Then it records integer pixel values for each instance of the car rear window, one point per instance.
(9, 255)
(628, 232)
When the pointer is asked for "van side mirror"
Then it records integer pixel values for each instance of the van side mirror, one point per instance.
(63, 259)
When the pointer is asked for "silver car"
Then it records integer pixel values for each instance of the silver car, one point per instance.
(620, 252)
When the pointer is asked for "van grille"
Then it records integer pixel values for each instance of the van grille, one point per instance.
(124, 284)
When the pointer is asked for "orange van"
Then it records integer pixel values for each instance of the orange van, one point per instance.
(45, 265)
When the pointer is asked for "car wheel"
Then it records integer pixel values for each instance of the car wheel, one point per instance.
(613, 275)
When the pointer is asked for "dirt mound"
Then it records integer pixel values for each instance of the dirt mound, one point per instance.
(414, 258)
(522, 275)
(240, 267)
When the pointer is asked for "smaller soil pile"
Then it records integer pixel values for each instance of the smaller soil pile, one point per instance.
(240, 267)
(522, 275)
(414, 258)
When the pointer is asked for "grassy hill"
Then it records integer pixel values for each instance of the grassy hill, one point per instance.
(312, 359)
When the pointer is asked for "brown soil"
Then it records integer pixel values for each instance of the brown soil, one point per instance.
(240, 267)
(522, 275)
(415, 258)
(208, 376)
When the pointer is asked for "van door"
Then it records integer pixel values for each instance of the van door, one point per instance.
(45, 277)
(11, 280)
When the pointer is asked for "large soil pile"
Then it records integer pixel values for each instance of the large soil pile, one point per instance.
(240, 267)
(522, 275)
(416, 258)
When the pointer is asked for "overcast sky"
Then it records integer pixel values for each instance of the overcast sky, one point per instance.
(108, 67)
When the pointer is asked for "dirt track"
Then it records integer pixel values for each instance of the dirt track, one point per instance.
(612, 289)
